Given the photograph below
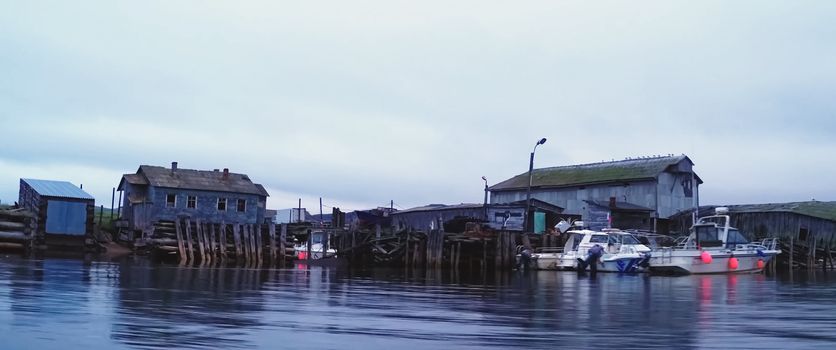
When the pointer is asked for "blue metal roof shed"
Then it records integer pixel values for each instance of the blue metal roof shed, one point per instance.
(60, 207)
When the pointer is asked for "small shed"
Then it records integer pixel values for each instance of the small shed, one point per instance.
(60, 207)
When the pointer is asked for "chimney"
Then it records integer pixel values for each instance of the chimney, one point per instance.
(173, 167)
(226, 174)
(612, 202)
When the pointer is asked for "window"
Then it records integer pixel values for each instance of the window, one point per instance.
(191, 203)
(171, 200)
(222, 204)
(599, 239)
(734, 238)
(242, 205)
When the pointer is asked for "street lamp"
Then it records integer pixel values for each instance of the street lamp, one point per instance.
(485, 206)
(528, 192)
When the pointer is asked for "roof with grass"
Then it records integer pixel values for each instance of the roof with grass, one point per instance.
(816, 209)
(594, 173)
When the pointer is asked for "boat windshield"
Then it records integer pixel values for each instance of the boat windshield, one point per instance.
(708, 236)
(599, 238)
(576, 240)
(735, 238)
(628, 239)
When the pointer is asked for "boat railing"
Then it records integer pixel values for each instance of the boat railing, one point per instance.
(765, 244)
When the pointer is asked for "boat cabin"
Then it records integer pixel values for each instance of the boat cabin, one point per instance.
(715, 232)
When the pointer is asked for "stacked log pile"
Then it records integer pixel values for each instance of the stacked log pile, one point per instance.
(17, 229)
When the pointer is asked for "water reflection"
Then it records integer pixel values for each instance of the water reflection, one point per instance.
(58, 304)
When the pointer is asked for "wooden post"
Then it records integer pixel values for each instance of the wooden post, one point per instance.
(282, 241)
(200, 246)
(180, 244)
(222, 239)
(189, 243)
(236, 240)
(272, 233)
(406, 252)
(310, 242)
(256, 241)
(248, 253)
(792, 251)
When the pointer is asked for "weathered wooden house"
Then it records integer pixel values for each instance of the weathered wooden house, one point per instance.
(61, 208)
(803, 221)
(506, 216)
(157, 193)
(633, 193)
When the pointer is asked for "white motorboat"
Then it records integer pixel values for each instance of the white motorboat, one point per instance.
(713, 246)
(317, 238)
(623, 252)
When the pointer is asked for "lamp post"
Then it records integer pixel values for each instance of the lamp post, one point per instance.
(528, 192)
(485, 206)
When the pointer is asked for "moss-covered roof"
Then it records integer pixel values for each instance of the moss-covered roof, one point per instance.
(585, 174)
(816, 209)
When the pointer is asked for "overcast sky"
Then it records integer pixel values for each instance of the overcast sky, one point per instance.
(360, 102)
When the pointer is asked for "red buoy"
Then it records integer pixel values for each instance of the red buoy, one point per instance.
(761, 264)
(705, 257)
(733, 263)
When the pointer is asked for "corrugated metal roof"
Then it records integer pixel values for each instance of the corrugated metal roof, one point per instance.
(61, 189)
(574, 175)
(625, 206)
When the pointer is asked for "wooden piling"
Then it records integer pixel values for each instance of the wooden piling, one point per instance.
(272, 233)
(180, 244)
(283, 240)
(200, 246)
(259, 243)
(236, 240)
(792, 252)
(189, 244)
(222, 240)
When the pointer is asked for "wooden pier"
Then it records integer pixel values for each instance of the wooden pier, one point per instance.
(436, 249)
(201, 243)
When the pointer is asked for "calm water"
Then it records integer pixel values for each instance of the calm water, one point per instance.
(73, 304)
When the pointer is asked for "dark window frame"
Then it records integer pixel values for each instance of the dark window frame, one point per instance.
(222, 204)
(171, 200)
(191, 202)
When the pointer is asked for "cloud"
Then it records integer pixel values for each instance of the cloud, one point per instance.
(372, 101)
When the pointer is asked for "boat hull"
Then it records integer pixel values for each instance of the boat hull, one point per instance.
(691, 263)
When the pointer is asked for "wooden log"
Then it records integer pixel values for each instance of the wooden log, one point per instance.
(273, 248)
(14, 236)
(12, 226)
(201, 248)
(236, 239)
(251, 235)
(222, 240)
(189, 244)
(259, 243)
(283, 241)
(181, 248)
(10, 245)
(206, 229)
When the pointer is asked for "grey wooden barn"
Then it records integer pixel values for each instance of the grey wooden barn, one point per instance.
(157, 193)
(633, 193)
(803, 221)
